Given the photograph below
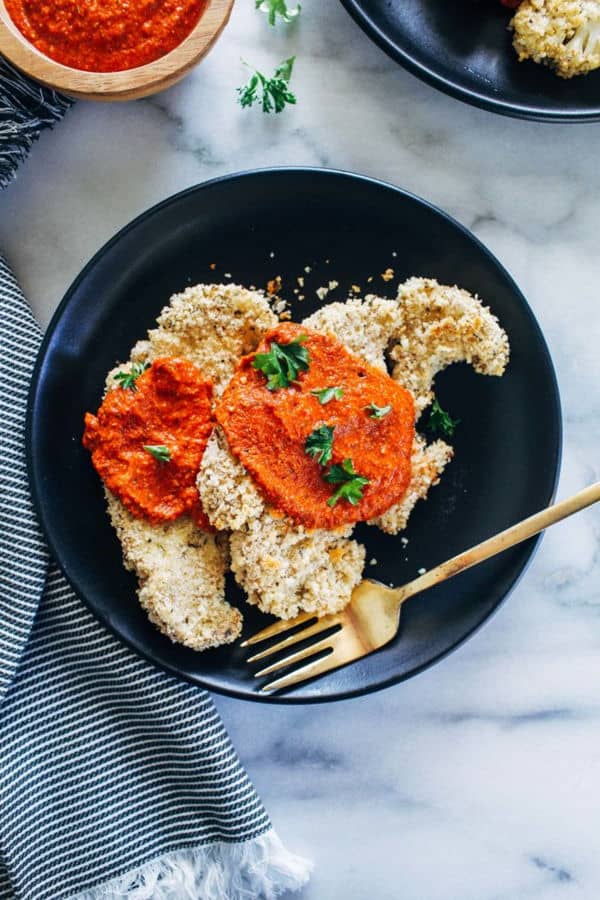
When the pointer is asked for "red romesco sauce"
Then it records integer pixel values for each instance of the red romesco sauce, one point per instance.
(267, 431)
(170, 407)
(105, 35)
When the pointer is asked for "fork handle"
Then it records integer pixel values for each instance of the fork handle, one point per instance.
(502, 541)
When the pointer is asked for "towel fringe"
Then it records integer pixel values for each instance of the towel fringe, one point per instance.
(260, 869)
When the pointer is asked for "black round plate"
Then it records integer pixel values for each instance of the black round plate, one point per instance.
(343, 227)
(465, 49)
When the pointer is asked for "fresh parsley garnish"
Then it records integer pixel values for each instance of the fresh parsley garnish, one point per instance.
(273, 93)
(319, 444)
(441, 421)
(324, 395)
(275, 8)
(378, 412)
(161, 453)
(351, 484)
(283, 363)
(127, 380)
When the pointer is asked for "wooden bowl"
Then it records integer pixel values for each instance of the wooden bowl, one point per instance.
(125, 85)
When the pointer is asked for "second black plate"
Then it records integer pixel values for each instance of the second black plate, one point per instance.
(465, 49)
(342, 227)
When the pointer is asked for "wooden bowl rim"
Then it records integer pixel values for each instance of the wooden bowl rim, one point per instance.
(138, 82)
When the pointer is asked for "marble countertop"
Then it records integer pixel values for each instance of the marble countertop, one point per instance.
(480, 778)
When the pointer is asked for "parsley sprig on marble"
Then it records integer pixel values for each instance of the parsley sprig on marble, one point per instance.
(127, 380)
(351, 484)
(319, 444)
(440, 421)
(283, 363)
(272, 93)
(275, 8)
(160, 453)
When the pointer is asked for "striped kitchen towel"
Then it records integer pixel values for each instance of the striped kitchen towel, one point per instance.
(116, 780)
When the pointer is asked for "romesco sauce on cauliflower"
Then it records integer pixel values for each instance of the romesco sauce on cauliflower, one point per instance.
(335, 403)
(105, 35)
(148, 438)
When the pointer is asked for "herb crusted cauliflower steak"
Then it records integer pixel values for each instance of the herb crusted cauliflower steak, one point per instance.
(285, 568)
(180, 568)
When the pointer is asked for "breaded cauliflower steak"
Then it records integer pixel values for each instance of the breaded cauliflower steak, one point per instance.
(181, 577)
(282, 567)
(442, 325)
(563, 34)
(181, 569)
(212, 325)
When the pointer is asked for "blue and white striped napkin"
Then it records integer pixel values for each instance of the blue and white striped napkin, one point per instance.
(116, 780)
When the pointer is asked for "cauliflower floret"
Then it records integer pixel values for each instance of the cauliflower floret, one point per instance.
(564, 34)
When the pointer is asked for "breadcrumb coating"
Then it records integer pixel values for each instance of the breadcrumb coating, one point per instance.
(286, 569)
(181, 577)
(428, 461)
(365, 327)
(563, 34)
(212, 325)
(442, 325)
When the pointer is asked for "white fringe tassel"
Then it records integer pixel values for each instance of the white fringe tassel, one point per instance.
(260, 869)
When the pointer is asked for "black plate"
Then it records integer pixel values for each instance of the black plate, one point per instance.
(465, 49)
(507, 445)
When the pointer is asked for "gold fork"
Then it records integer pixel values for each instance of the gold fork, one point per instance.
(372, 617)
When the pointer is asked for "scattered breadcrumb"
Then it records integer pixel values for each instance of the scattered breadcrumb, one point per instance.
(212, 266)
(300, 280)
(404, 541)
(333, 285)
(227, 274)
(307, 269)
(441, 325)
(387, 275)
(421, 571)
(322, 292)
(355, 288)
(372, 562)
(274, 285)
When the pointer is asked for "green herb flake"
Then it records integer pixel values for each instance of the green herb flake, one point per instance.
(324, 395)
(319, 444)
(274, 8)
(351, 484)
(440, 421)
(272, 93)
(378, 412)
(160, 453)
(127, 380)
(283, 363)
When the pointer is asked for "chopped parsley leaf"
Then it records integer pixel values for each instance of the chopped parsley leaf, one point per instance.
(319, 444)
(441, 421)
(160, 453)
(283, 363)
(351, 484)
(324, 395)
(378, 412)
(127, 380)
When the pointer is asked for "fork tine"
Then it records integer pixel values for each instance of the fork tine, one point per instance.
(299, 655)
(317, 667)
(277, 628)
(319, 626)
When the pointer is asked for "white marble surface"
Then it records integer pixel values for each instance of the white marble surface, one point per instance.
(480, 779)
